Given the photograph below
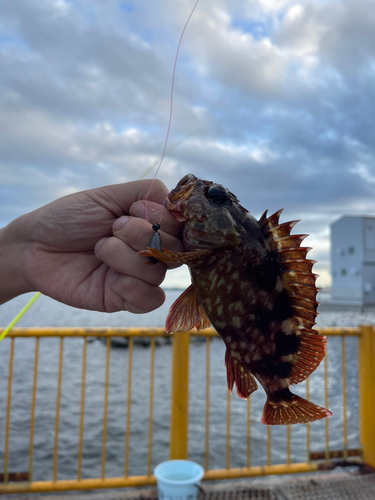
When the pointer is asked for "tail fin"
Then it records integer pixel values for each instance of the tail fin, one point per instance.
(293, 410)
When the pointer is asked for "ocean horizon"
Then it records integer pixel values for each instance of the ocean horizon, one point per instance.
(47, 312)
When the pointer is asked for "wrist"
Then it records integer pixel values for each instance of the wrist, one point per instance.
(13, 246)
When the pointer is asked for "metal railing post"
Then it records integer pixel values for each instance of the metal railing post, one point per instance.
(179, 396)
(366, 369)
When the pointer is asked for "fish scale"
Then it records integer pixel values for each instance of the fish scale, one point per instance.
(250, 279)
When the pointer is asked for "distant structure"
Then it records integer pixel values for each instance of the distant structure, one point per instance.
(353, 260)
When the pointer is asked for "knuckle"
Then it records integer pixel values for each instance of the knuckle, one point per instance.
(99, 247)
(159, 185)
(141, 297)
(154, 275)
(133, 231)
(110, 248)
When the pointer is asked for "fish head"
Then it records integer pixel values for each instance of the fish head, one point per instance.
(212, 214)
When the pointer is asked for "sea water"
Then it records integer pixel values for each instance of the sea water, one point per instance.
(47, 312)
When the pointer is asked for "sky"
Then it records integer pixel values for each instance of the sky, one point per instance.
(274, 99)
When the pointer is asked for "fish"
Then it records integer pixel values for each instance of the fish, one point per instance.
(252, 281)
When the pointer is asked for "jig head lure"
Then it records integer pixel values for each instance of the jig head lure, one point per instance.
(155, 242)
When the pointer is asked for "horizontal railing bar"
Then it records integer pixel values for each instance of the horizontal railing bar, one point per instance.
(353, 331)
(261, 470)
(124, 482)
(208, 332)
(88, 332)
(73, 484)
(144, 332)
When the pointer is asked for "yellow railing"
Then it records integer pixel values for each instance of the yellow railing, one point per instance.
(40, 366)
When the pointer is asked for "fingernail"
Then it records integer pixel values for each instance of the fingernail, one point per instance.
(138, 209)
(120, 222)
(99, 244)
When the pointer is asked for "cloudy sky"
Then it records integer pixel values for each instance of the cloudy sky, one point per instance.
(275, 99)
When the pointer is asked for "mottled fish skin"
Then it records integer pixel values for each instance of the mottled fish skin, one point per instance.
(255, 286)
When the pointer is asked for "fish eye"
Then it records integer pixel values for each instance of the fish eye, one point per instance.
(187, 178)
(217, 194)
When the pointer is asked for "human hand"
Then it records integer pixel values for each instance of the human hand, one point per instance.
(75, 251)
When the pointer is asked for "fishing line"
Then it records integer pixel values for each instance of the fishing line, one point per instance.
(172, 148)
(171, 105)
(155, 227)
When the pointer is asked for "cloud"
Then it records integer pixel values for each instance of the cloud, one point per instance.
(275, 99)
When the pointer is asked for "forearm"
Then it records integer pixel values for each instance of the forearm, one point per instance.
(13, 245)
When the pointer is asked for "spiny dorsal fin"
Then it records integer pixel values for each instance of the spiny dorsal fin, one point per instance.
(304, 265)
(283, 229)
(293, 253)
(271, 221)
(298, 289)
(306, 302)
(298, 280)
(278, 243)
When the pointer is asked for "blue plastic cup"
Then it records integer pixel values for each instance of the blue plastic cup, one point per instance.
(178, 479)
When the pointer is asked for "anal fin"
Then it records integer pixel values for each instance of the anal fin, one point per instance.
(240, 375)
(186, 313)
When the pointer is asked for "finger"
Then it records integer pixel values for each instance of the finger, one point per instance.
(134, 295)
(153, 190)
(137, 233)
(122, 196)
(124, 260)
(157, 214)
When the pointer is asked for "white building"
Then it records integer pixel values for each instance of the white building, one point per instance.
(353, 260)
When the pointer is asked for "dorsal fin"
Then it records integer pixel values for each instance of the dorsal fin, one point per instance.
(283, 229)
(271, 221)
(298, 280)
(293, 253)
(311, 351)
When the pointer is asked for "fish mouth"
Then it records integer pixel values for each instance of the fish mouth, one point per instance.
(179, 195)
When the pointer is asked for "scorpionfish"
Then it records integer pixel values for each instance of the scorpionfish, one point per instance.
(250, 280)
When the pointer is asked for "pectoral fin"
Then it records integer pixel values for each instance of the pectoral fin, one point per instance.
(170, 257)
(186, 313)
